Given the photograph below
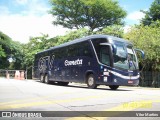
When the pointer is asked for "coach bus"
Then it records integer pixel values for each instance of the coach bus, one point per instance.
(94, 60)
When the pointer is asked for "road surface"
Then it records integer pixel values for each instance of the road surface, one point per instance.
(30, 98)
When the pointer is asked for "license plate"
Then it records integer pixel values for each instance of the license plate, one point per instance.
(130, 81)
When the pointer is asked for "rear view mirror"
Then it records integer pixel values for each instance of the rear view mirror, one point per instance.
(114, 48)
(140, 51)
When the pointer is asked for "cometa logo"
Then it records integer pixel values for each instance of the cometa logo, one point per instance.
(74, 62)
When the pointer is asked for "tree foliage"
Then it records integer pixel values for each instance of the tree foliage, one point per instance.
(114, 30)
(147, 38)
(153, 14)
(10, 48)
(94, 14)
(38, 44)
(104, 15)
(35, 44)
(2, 53)
(73, 35)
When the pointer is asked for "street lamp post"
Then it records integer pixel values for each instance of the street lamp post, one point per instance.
(10, 59)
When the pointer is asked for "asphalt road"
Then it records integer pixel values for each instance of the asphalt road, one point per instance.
(25, 99)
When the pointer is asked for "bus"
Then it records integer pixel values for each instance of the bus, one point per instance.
(94, 60)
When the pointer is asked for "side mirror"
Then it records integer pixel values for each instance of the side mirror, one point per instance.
(140, 51)
(114, 48)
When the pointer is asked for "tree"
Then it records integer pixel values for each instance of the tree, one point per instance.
(73, 35)
(94, 14)
(9, 48)
(35, 45)
(114, 30)
(41, 43)
(147, 38)
(2, 53)
(153, 14)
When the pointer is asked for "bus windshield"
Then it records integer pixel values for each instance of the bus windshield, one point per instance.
(125, 57)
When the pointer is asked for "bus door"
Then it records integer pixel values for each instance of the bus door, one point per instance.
(106, 59)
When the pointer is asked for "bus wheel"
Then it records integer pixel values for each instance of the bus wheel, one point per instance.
(91, 83)
(42, 78)
(114, 87)
(46, 79)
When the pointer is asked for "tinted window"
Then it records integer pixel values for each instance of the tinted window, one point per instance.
(104, 55)
(72, 50)
(60, 53)
(79, 49)
(96, 43)
(85, 49)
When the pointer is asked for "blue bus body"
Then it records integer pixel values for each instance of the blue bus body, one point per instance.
(95, 60)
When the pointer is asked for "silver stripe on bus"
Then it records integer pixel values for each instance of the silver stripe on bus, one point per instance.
(123, 76)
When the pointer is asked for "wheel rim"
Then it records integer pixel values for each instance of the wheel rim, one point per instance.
(46, 78)
(90, 81)
(41, 78)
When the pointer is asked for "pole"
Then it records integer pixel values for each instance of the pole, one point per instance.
(26, 73)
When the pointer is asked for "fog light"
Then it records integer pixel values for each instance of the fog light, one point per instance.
(115, 80)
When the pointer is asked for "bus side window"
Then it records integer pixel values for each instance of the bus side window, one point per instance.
(104, 55)
(72, 51)
(85, 49)
(96, 42)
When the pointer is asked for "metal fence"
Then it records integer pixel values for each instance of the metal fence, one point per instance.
(150, 79)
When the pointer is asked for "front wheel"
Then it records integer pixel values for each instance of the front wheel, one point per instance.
(114, 87)
(91, 82)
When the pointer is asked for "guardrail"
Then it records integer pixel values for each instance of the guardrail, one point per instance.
(150, 79)
(13, 74)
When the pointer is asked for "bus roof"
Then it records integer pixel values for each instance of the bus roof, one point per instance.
(85, 39)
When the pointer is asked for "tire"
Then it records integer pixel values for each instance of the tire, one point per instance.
(63, 83)
(114, 87)
(46, 79)
(91, 82)
(42, 78)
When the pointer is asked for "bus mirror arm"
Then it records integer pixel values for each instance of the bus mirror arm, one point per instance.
(141, 51)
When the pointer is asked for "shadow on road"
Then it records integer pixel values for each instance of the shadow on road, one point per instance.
(85, 87)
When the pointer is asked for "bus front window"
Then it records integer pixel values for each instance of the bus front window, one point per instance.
(125, 57)
(132, 59)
